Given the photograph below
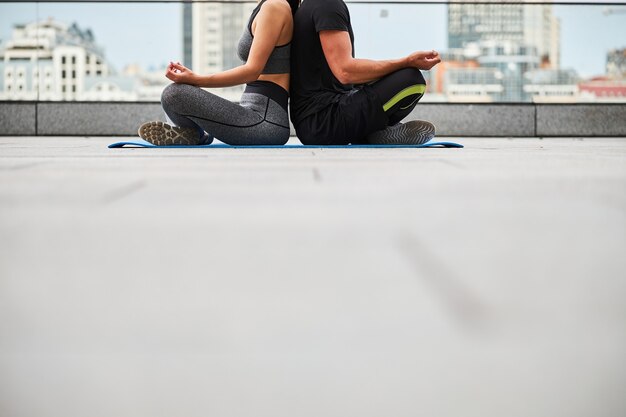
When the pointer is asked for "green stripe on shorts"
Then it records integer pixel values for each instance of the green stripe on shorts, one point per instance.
(409, 91)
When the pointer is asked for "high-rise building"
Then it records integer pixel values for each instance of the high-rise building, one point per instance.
(530, 26)
(187, 34)
(512, 39)
(215, 29)
(50, 60)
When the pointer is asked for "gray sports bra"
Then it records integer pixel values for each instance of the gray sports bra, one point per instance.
(278, 61)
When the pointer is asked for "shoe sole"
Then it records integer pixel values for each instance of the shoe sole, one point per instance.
(415, 132)
(162, 134)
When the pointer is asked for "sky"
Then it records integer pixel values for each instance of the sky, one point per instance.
(150, 34)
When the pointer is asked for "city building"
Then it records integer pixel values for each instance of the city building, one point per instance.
(148, 84)
(512, 61)
(616, 63)
(530, 26)
(475, 85)
(215, 29)
(485, 71)
(50, 60)
(187, 34)
(459, 78)
(610, 88)
(499, 71)
(603, 90)
(552, 86)
(498, 48)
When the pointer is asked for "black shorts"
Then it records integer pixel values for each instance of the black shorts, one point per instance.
(361, 111)
(353, 116)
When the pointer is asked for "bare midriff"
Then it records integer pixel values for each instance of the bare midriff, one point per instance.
(280, 79)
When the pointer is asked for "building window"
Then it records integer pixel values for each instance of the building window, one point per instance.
(73, 73)
(73, 60)
(63, 88)
(73, 89)
(63, 74)
(62, 60)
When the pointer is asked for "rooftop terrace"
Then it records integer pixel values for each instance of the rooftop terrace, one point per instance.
(485, 281)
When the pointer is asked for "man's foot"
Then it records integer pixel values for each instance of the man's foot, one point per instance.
(415, 132)
(163, 134)
(206, 139)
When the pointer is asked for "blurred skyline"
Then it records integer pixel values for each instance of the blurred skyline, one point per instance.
(151, 34)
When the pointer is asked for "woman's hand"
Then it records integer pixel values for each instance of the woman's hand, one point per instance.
(424, 60)
(181, 74)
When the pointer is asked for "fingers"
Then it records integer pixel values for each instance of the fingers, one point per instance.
(433, 58)
(173, 74)
(432, 62)
(175, 70)
(425, 56)
(178, 66)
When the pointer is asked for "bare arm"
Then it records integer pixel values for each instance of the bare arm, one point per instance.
(348, 70)
(266, 36)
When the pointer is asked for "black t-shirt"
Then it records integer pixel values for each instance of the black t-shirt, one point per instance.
(313, 85)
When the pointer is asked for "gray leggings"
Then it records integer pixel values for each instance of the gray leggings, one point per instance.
(260, 118)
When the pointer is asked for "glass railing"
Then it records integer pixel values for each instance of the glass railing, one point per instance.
(493, 51)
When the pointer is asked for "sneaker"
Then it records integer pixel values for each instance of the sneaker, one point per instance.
(415, 132)
(163, 134)
(207, 139)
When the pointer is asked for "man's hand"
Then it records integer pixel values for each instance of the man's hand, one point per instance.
(181, 74)
(424, 60)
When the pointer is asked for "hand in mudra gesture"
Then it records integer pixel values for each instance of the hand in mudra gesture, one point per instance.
(180, 74)
(424, 60)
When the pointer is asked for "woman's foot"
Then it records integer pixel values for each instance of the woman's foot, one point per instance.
(415, 132)
(163, 134)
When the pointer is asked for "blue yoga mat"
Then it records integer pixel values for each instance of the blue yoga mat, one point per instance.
(143, 144)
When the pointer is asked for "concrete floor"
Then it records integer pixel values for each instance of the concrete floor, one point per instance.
(486, 281)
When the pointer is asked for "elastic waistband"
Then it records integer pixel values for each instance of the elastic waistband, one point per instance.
(269, 89)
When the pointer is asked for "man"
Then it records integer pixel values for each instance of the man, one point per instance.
(327, 108)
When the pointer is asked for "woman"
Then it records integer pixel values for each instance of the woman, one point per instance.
(261, 116)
